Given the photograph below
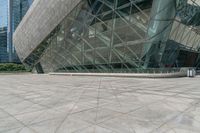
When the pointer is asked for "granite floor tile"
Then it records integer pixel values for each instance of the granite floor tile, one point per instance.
(65, 104)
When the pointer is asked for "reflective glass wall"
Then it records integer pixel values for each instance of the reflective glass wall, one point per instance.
(17, 10)
(3, 45)
(98, 35)
(112, 36)
(11, 13)
(3, 31)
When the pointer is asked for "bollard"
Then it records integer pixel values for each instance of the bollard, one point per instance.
(191, 72)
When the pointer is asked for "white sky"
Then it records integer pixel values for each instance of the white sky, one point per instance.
(3, 13)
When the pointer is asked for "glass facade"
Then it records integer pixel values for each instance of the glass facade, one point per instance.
(118, 36)
(16, 10)
(12, 10)
(3, 31)
(19, 9)
(3, 44)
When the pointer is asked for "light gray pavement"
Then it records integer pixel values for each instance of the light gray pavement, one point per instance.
(64, 104)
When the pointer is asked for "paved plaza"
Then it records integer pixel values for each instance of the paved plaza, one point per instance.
(64, 104)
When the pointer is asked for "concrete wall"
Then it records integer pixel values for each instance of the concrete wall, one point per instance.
(42, 17)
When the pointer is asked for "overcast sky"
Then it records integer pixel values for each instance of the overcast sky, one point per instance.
(3, 13)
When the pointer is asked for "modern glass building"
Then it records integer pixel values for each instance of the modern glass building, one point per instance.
(3, 31)
(3, 45)
(11, 13)
(16, 10)
(110, 35)
(19, 9)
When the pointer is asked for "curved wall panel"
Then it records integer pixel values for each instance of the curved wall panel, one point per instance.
(42, 17)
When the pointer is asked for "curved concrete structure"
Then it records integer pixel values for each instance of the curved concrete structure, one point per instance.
(42, 17)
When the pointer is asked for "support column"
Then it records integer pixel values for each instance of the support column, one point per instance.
(161, 21)
(39, 68)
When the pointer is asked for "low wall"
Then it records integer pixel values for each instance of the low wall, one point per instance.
(131, 75)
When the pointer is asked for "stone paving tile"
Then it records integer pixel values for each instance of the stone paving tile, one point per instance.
(64, 104)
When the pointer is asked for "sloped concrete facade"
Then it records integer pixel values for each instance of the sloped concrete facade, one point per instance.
(40, 20)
